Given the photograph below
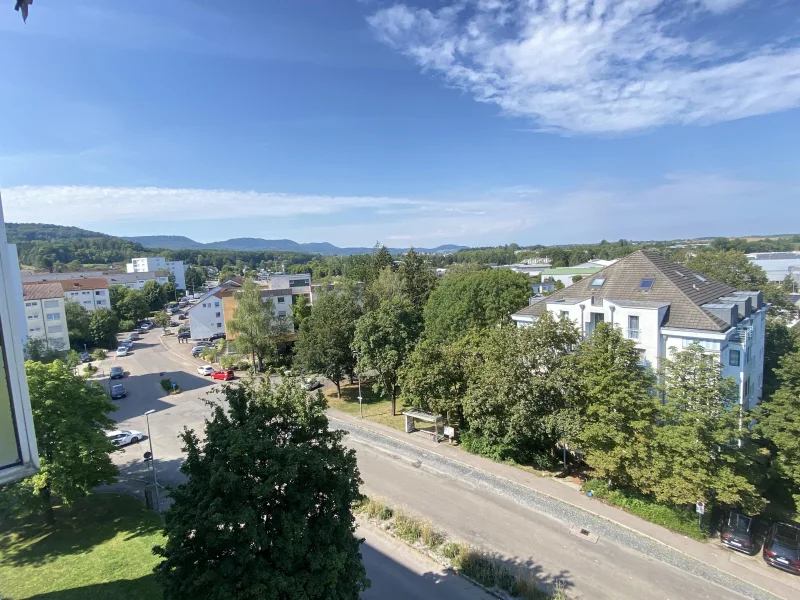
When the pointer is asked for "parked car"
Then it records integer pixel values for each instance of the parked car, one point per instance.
(311, 383)
(217, 336)
(122, 351)
(782, 547)
(117, 372)
(142, 330)
(223, 375)
(184, 335)
(739, 532)
(173, 324)
(123, 437)
(133, 336)
(205, 370)
(127, 343)
(86, 357)
(182, 317)
(118, 391)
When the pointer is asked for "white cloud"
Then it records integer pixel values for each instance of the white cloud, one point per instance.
(596, 66)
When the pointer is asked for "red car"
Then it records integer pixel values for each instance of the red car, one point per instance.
(224, 375)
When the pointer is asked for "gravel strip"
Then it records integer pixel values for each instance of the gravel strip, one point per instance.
(557, 509)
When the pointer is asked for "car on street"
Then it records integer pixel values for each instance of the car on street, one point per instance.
(127, 343)
(182, 316)
(134, 336)
(782, 547)
(86, 357)
(184, 335)
(226, 375)
(118, 391)
(142, 330)
(739, 532)
(217, 336)
(122, 351)
(146, 325)
(173, 324)
(123, 437)
(311, 383)
(117, 372)
(205, 370)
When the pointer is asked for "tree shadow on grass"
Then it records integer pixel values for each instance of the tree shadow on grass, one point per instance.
(143, 588)
(88, 523)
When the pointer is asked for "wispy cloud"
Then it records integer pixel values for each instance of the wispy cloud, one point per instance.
(597, 66)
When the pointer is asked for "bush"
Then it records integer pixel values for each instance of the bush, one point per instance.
(127, 325)
(166, 385)
(406, 527)
(98, 354)
(89, 369)
(375, 508)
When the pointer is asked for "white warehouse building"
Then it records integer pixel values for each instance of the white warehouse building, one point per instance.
(663, 306)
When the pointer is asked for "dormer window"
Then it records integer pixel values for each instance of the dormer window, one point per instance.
(598, 282)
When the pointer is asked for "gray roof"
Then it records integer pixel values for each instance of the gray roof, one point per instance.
(42, 291)
(684, 290)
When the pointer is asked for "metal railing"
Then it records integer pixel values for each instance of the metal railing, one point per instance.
(633, 334)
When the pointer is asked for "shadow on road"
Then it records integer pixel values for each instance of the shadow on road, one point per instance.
(145, 392)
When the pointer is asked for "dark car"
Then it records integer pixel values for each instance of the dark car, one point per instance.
(173, 323)
(782, 547)
(217, 336)
(184, 335)
(118, 391)
(117, 373)
(739, 532)
(181, 317)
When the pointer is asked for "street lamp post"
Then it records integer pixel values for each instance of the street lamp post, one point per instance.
(360, 405)
(152, 459)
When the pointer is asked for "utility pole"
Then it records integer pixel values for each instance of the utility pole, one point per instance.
(152, 459)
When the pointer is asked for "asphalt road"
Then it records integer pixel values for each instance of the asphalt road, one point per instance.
(541, 544)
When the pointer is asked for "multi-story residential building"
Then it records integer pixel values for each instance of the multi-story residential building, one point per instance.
(134, 281)
(19, 457)
(298, 283)
(90, 293)
(153, 264)
(663, 306)
(45, 316)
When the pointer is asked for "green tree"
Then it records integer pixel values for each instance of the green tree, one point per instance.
(474, 300)
(129, 305)
(386, 286)
(255, 325)
(195, 277)
(380, 260)
(265, 511)
(77, 324)
(616, 405)
(103, 328)
(779, 424)
(154, 295)
(417, 278)
(161, 319)
(170, 291)
(69, 415)
(779, 341)
(325, 337)
(301, 310)
(229, 271)
(699, 451)
(384, 338)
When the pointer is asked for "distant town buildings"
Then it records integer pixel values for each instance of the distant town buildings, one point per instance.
(153, 264)
(90, 293)
(777, 265)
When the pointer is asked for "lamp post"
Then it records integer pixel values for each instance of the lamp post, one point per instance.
(360, 405)
(152, 459)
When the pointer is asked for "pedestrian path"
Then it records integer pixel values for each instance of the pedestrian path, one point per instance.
(712, 554)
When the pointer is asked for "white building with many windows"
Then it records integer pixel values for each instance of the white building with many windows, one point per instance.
(90, 293)
(664, 306)
(44, 314)
(153, 264)
(298, 283)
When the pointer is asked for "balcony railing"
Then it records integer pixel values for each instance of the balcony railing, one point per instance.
(633, 334)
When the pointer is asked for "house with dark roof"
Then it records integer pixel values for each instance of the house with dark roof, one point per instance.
(663, 306)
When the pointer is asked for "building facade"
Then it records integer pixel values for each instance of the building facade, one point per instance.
(90, 293)
(45, 316)
(299, 284)
(777, 265)
(664, 307)
(152, 264)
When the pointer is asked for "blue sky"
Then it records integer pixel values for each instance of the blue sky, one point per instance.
(455, 121)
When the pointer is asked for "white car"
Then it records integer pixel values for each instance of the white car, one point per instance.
(123, 437)
(122, 351)
(207, 370)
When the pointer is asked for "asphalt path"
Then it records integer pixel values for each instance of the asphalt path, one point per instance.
(530, 540)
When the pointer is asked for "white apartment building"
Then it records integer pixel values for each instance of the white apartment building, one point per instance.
(153, 264)
(298, 283)
(206, 317)
(663, 306)
(90, 293)
(44, 314)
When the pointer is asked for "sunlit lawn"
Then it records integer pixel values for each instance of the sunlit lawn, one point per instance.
(99, 549)
(376, 408)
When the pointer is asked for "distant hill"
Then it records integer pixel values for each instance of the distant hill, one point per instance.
(178, 242)
(32, 232)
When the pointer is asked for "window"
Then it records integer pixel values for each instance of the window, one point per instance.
(646, 284)
(598, 282)
(101, 303)
(216, 304)
(642, 356)
(98, 292)
(51, 303)
(204, 304)
(219, 315)
(32, 303)
(219, 325)
(734, 358)
(85, 293)
(54, 329)
(281, 299)
(53, 317)
(297, 282)
(565, 314)
(633, 327)
(33, 316)
(281, 313)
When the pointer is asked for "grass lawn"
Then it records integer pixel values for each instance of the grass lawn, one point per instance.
(376, 408)
(98, 549)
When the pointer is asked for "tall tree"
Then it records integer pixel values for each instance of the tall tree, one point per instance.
(616, 404)
(69, 415)
(195, 277)
(779, 422)
(77, 324)
(417, 278)
(380, 260)
(301, 310)
(265, 511)
(386, 286)
(325, 337)
(254, 322)
(779, 341)
(699, 451)
(131, 306)
(384, 339)
(154, 295)
(103, 328)
(477, 299)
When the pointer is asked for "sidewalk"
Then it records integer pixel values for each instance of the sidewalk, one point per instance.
(749, 569)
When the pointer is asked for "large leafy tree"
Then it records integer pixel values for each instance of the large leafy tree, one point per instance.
(477, 299)
(103, 328)
(266, 508)
(128, 304)
(255, 325)
(616, 405)
(384, 339)
(77, 324)
(698, 450)
(385, 287)
(381, 258)
(195, 277)
(154, 295)
(301, 310)
(70, 415)
(779, 423)
(417, 278)
(325, 337)
(779, 341)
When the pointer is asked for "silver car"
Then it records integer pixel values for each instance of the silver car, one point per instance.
(123, 437)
